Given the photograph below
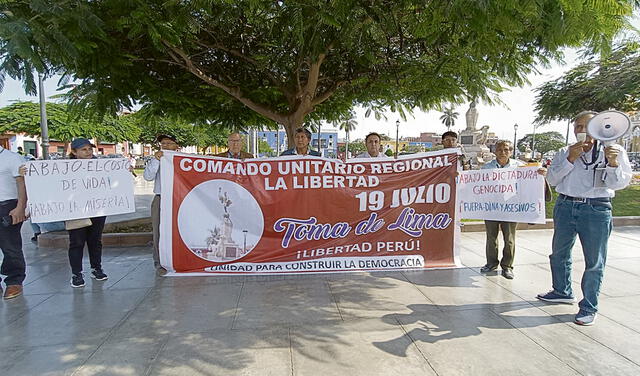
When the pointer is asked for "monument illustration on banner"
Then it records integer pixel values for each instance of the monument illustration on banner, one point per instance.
(220, 244)
(474, 141)
(220, 221)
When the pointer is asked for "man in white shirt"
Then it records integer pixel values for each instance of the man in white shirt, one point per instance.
(586, 175)
(372, 142)
(13, 202)
(152, 172)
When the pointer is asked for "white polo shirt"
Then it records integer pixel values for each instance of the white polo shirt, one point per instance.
(10, 163)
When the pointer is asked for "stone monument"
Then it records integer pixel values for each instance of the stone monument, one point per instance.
(220, 243)
(473, 141)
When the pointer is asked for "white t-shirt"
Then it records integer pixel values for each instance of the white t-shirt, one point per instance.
(10, 162)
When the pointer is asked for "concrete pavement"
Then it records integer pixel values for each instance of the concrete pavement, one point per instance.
(440, 322)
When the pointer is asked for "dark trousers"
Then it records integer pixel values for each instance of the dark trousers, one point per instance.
(155, 222)
(509, 236)
(92, 236)
(13, 264)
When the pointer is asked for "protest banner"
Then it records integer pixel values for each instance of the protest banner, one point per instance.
(306, 214)
(66, 189)
(502, 194)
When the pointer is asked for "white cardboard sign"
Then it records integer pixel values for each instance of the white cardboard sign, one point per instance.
(67, 189)
(502, 194)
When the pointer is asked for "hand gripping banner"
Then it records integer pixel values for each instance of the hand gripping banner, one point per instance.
(305, 214)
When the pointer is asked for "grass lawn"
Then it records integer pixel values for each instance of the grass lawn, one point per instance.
(626, 202)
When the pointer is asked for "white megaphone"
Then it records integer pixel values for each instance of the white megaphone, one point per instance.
(608, 126)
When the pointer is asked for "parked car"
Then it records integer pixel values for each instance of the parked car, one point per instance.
(57, 155)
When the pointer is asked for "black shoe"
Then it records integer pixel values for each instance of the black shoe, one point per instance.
(34, 238)
(98, 275)
(508, 273)
(488, 268)
(77, 280)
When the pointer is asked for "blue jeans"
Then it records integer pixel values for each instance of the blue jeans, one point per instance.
(592, 224)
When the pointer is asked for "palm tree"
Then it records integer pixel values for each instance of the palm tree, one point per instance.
(449, 117)
(348, 125)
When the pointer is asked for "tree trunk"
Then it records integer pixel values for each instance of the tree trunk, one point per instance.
(346, 148)
(290, 127)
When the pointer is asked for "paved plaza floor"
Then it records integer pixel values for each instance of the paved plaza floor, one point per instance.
(439, 322)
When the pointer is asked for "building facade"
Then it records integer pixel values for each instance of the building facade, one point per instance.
(278, 143)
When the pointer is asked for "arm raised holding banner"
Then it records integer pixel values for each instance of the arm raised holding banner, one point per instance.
(152, 173)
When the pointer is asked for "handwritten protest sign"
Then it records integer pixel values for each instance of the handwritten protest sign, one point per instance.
(78, 188)
(502, 194)
(304, 214)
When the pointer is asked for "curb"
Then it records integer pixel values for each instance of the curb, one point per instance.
(130, 239)
(60, 239)
(137, 239)
(478, 226)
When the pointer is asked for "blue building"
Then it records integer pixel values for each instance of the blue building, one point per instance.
(328, 141)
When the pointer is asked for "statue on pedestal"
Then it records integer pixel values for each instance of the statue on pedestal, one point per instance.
(219, 242)
(473, 140)
(471, 117)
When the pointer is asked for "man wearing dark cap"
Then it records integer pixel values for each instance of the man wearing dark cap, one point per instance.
(301, 139)
(152, 172)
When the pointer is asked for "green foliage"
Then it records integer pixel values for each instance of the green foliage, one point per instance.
(545, 142)
(264, 148)
(612, 81)
(625, 203)
(257, 62)
(389, 153)
(412, 149)
(355, 148)
(201, 135)
(25, 117)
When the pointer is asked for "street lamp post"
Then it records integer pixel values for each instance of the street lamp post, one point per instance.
(397, 129)
(533, 143)
(44, 128)
(515, 139)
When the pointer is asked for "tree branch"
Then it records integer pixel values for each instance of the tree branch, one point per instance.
(328, 93)
(177, 54)
(274, 80)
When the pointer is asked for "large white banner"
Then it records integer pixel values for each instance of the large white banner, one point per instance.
(78, 188)
(502, 194)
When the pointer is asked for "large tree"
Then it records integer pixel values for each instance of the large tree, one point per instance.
(295, 61)
(24, 117)
(544, 142)
(598, 84)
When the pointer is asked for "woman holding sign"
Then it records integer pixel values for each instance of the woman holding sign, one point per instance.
(85, 231)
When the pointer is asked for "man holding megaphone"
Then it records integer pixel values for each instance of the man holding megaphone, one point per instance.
(586, 176)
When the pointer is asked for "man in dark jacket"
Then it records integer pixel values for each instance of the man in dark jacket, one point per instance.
(234, 146)
(302, 138)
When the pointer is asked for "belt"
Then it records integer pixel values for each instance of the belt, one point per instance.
(604, 201)
(7, 202)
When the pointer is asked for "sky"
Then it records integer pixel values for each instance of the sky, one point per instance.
(518, 108)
